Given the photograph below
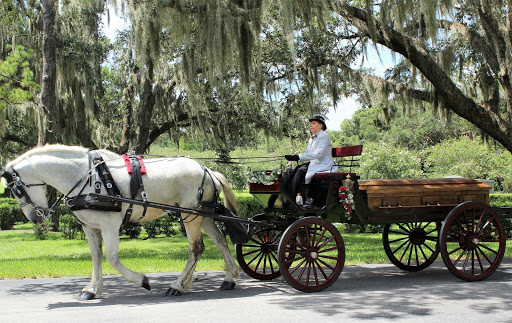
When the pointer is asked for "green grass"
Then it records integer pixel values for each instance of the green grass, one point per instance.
(23, 256)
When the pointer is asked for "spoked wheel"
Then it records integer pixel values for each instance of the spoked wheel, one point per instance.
(311, 254)
(258, 256)
(472, 241)
(411, 246)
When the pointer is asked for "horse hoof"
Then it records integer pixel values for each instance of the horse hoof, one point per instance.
(145, 283)
(227, 285)
(173, 292)
(86, 296)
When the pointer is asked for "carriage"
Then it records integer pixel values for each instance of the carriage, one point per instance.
(421, 218)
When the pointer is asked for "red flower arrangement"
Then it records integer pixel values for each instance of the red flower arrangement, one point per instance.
(347, 199)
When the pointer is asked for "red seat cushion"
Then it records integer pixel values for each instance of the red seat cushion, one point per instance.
(331, 175)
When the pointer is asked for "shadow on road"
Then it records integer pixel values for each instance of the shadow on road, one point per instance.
(361, 292)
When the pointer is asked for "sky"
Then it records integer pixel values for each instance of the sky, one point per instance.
(346, 106)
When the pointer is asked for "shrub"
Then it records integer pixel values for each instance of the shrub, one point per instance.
(500, 200)
(503, 200)
(13, 208)
(385, 161)
(469, 158)
(248, 206)
(69, 227)
(41, 230)
(7, 216)
(167, 226)
(131, 229)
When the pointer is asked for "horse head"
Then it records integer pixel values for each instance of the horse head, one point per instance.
(30, 194)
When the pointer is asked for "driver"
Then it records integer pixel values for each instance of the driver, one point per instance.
(319, 155)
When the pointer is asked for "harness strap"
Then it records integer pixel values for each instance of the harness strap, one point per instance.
(105, 176)
(136, 169)
(200, 191)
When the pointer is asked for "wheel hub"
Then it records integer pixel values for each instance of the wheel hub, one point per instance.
(418, 236)
(268, 247)
(469, 240)
(312, 254)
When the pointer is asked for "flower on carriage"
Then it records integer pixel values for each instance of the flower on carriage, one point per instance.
(347, 199)
(264, 177)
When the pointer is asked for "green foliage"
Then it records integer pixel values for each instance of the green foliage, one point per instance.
(500, 199)
(10, 212)
(383, 160)
(131, 229)
(42, 230)
(16, 78)
(69, 227)
(248, 206)
(7, 219)
(413, 128)
(469, 158)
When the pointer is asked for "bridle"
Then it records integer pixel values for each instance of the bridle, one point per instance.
(17, 187)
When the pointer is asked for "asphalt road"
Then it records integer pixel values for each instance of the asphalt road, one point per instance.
(376, 293)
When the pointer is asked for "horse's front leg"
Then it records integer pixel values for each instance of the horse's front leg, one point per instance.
(110, 235)
(196, 248)
(95, 287)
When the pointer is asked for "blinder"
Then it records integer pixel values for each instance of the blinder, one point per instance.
(16, 185)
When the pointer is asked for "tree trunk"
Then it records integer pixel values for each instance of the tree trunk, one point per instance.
(48, 98)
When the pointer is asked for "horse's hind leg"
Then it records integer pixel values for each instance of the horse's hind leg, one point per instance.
(95, 287)
(111, 238)
(196, 248)
(218, 238)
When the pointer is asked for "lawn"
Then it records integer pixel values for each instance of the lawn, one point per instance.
(23, 256)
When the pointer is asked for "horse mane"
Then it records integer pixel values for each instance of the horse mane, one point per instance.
(55, 150)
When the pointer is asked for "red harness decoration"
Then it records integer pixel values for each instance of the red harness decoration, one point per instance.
(129, 164)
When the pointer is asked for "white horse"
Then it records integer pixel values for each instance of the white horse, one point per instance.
(170, 181)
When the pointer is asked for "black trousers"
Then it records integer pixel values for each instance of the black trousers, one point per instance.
(293, 179)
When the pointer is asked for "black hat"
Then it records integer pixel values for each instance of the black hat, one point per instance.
(319, 119)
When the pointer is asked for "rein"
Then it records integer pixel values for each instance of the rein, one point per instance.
(223, 161)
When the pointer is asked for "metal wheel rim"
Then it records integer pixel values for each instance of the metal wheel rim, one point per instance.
(311, 254)
(412, 246)
(472, 241)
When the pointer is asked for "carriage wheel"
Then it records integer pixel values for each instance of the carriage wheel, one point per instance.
(472, 241)
(311, 254)
(411, 246)
(258, 256)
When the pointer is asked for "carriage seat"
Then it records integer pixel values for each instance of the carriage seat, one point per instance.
(344, 157)
(320, 176)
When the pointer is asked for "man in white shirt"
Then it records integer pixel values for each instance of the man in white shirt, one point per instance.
(319, 155)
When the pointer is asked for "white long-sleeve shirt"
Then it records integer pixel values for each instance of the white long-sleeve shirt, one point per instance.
(319, 153)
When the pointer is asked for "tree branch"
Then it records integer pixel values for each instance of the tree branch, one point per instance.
(489, 121)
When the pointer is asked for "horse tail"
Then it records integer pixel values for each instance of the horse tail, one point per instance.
(229, 197)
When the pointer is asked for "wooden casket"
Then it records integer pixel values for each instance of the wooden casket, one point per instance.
(395, 194)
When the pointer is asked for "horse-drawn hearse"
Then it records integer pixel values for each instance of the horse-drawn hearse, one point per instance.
(421, 218)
